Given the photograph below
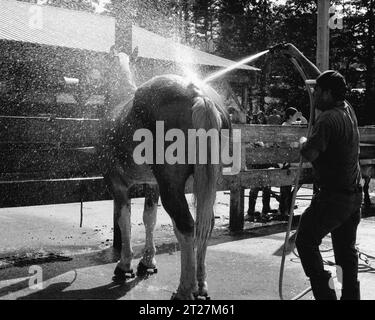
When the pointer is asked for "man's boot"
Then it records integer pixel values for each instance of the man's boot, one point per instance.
(266, 199)
(351, 292)
(320, 287)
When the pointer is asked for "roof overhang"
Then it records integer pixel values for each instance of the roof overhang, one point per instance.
(46, 25)
(51, 26)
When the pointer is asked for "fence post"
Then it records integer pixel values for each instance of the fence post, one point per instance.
(236, 211)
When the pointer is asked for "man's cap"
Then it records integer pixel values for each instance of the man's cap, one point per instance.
(334, 81)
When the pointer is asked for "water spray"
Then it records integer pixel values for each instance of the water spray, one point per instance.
(234, 66)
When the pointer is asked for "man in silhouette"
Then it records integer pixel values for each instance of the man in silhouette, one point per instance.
(333, 150)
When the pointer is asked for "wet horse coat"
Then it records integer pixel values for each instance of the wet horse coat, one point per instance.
(180, 105)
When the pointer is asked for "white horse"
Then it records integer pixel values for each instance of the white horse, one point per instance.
(180, 105)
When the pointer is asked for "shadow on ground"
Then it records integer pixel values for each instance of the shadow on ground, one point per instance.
(110, 291)
(18, 277)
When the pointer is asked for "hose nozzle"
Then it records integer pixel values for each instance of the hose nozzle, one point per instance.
(310, 82)
(277, 47)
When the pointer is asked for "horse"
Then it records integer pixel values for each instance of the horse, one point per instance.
(179, 104)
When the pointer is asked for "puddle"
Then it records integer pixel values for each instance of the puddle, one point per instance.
(28, 259)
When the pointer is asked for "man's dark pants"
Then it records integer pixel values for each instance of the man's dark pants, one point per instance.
(266, 197)
(338, 213)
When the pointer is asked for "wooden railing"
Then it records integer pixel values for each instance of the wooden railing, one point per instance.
(53, 160)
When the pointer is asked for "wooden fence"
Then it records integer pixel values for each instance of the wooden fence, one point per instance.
(53, 160)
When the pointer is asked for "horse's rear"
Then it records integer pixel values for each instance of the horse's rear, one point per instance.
(174, 103)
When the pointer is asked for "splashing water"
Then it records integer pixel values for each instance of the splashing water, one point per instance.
(193, 78)
(191, 75)
(234, 66)
(203, 84)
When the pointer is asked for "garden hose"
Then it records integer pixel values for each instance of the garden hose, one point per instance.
(308, 83)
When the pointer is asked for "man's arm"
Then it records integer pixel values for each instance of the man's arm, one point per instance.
(310, 69)
(318, 140)
(308, 153)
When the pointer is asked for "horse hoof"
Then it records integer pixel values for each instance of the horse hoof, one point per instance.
(121, 276)
(176, 296)
(143, 270)
(203, 296)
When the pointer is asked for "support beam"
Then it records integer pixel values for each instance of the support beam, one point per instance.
(233, 94)
(116, 229)
(322, 50)
(245, 97)
(236, 213)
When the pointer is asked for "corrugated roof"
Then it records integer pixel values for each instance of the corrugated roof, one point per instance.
(25, 22)
(48, 25)
(153, 46)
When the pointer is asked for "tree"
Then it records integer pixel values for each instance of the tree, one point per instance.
(237, 28)
(352, 53)
(369, 62)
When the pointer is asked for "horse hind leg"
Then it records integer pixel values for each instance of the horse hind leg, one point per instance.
(187, 288)
(202, 292)
(122, 208)
(174, 202)
(147, 265)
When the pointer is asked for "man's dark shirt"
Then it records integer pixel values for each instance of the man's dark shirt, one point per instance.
(335, 138)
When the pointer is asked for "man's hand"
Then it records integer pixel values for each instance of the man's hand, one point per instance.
(288, 49)
(302, 142)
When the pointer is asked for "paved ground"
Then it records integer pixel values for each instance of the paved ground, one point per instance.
(55, 228)
(243, 266)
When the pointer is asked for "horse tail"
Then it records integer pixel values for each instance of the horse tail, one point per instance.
(206, 116)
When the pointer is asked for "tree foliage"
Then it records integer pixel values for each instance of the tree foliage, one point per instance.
(237, 28)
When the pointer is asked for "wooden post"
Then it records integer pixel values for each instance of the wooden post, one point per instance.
(322, 49)
(236, 212)
(232, 93)
(245, 97)
(116, 228)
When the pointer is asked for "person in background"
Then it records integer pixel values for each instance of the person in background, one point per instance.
(252, 215)
(236, 115)
(261, 118)
(292, 117)
(274, 118)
